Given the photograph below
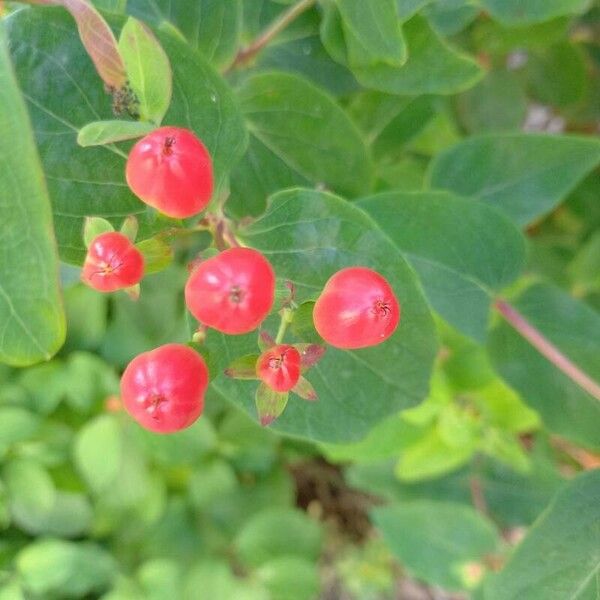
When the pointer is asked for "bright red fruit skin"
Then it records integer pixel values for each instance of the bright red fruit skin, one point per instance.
(356, 309)
(163, 390)
(171, 170)
(232, 292)
(112, 263)
(279, 367)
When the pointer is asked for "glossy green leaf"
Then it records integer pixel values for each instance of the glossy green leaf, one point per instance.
(574, 330)
(560, 556)
(148, 70)
(531, 11)
(372, 32)
(32, 319)
(100, 133)
(307, 236)
(91, 181)
(463, 250)
(526, 175)
(299, 136)
(436, 541)
(211, 26)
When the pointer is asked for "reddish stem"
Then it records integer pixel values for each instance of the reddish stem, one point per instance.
(547, 349)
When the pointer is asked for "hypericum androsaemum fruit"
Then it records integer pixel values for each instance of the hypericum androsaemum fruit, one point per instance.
(171, 170)
(163, 390)
(232, 292)
(112, 263)
(279, 367)
(356, 309)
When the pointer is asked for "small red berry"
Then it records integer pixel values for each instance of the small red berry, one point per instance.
(112, 263)
(163, 390)
(279, 367)
(356, 309)
(232, 292)
(171, 170)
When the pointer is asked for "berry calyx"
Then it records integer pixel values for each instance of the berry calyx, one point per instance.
(171, 170)
(232, 292)
(279, 367)
(163, 390)
(112, 263)
(356, 309)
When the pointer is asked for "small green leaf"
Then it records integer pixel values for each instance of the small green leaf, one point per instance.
(243, 367)
(158, 255)
(269, 404)
(129, 228)
(305, 390)
(93, 227)
(100, 133)
(526, 175)
(435, 541)
(517, 12)
(560, 556)
(148, 70)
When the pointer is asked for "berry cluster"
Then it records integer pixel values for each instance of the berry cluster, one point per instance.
(233, 292)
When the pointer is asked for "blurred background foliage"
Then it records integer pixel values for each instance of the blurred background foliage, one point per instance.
(91, 506)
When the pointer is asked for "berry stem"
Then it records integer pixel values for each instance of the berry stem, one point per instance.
(547, 349)
(245, 55)
(287, 316)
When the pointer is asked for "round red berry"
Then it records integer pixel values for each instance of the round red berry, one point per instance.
(171, 170)
(356, 309)
(163, 390)
(232, 292)
(279, 367)
(112, 263)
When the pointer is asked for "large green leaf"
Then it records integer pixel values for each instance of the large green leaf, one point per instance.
(532, 11)
(525, 175)
(574, 329)
(91, 181)
(437, 541)
(463, 250)
(299, 135)
(560, 557)
(32, 318)
(211, 26)
(372, 32)
(308, 235)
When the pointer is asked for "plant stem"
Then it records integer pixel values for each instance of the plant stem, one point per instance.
(287, 316)
(547, 349)
(275, 28)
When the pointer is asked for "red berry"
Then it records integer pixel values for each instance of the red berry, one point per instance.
(163, 390)
(171, 170)
(232, 292)
(112, 263)
(356, 309)
(279, 367)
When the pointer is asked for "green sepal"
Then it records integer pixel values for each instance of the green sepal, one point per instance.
(93, 227)
(157, 254)
(243, 367)
(130, 228)
(269, 404)
(305, 390)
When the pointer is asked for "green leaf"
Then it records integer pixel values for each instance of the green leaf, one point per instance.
(574, 330)
(49, 567)
(16, 424)
(270, 404)
(290, 578)
(93, 227)
(463, 250)
(372, 32)
(98, 450)
(526, 175)
(560, 556)
(299, 136)
(211, 26)
(158, 255)
(307, 236)
(91, 181)
(436, 541)
(433, 67)
(148, 70)
(32, 319)
(86, 317)
(100, 133)
(267, 535)
(516, 12)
